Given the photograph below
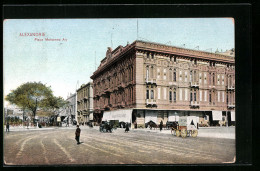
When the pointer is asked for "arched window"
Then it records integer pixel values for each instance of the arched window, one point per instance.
(174, 75)
(152, 72)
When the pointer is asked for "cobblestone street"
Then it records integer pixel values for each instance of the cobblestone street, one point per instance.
(58, 147)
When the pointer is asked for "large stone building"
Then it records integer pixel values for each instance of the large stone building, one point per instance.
(85, 103)
(71, 107)
(146, 81)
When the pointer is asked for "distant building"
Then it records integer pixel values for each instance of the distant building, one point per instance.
(85, 103)
(71, 107)
(146, 81)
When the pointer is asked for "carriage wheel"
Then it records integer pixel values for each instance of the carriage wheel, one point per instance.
(178, 133)
(194, 133)
(183, 133)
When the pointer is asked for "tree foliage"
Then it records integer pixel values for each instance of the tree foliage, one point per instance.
(33, 96)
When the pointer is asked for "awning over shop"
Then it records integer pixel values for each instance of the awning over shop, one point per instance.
(217, 115)
(150, 115)
(121, 115)
(233, 116)
(171, 117)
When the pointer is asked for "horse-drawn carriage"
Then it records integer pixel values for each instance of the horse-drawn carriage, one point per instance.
(187, 126)
(109, 126)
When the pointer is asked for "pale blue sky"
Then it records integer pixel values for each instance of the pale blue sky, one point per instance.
(61, 64)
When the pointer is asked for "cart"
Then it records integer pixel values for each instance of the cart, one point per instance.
(187, 126)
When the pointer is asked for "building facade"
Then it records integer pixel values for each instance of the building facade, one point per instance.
(152, 81)
(85, 103)
(71, 107)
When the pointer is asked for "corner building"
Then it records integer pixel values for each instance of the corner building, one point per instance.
(85, 103)
(146, 81)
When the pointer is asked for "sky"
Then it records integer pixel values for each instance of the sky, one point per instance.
(65, 65)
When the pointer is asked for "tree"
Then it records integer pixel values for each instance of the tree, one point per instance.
(33, 96)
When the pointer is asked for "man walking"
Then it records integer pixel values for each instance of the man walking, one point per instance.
(161, 125)
(77, 134)
(7, 127)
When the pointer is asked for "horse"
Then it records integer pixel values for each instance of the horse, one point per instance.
(151, 124)
(173, 126)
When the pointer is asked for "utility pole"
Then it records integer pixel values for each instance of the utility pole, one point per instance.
(137, 29)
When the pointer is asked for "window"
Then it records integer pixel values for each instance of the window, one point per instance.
(210, 97)
(170, 95)
(227, 98)
(147, 94)
(190, 96)
(223, 96)
(205, 78)
(152, 97)
(174, 75)
(205, 95)
(200, 95)
(180, 76)
(170, 75)
(195, 97)
(190, 76)
(174, 96)
(213, 79)
(147, 72)
(218, 96)
(152, 72)
(185, 76)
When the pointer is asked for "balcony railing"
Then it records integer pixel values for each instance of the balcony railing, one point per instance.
(230, 87)
(150, 101)
(194, 104)
(150, 81)
(194, 84)
(230, 105)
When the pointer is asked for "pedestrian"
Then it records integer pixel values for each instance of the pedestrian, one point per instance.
(77, 134)
(161, 125)
(7, 127)
(126, 127)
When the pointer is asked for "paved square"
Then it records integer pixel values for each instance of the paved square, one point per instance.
(58, 146)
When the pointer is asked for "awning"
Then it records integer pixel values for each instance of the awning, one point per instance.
(233, 116)
(217, 115)
(150, 115)
(121, 115)
(171, 117)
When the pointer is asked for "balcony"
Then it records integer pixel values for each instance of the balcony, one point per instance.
(230, 88)
(151, 102)
(194, 104)
(231, 106)
(194, 84)
(150, 81)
